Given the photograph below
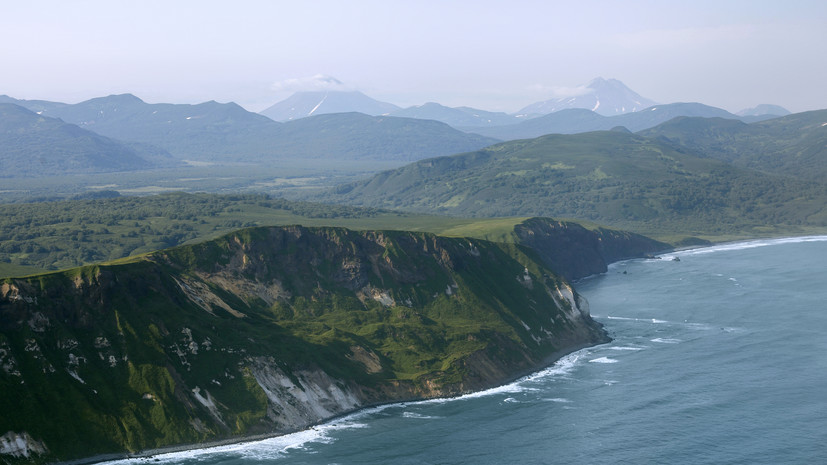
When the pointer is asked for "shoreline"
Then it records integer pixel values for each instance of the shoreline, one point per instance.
(152, 453)
(548, 362)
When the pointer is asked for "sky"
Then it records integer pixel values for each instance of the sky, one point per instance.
(492, 55)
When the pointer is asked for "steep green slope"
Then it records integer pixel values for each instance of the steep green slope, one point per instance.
(267, 330)
(614, 178)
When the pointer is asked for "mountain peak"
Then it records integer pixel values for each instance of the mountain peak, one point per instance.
(607, 97)
(117, 98)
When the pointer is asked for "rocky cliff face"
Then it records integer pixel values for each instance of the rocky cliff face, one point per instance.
(266, 331)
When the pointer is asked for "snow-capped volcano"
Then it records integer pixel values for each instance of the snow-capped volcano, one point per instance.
(607, 97)
(303, 104)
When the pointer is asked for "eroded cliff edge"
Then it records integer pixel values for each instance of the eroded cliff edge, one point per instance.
(266, 331)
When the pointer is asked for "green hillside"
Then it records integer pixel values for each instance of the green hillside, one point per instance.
(35, 145)
(355, 136)
(612, 177)
(794, 145)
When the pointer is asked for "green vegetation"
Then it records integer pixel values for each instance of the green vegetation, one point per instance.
(795, 145)
(288, 176)
(56, 235)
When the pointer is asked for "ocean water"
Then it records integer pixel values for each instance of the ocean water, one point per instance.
(718, 358)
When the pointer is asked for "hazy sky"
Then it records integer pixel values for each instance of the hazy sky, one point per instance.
(493, 55)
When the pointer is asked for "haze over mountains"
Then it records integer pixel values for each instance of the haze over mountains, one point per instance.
(607, 97)
(590, 107)
(124, 133)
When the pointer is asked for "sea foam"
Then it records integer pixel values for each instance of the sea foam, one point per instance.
(744, 245)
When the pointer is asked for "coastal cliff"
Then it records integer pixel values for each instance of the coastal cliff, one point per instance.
(266, 331)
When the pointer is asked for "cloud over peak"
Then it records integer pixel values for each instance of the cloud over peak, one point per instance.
(317, 83)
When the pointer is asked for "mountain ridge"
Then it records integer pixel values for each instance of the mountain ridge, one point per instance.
(458, 117)
(648, 185)
(227, 133)
(578, 120)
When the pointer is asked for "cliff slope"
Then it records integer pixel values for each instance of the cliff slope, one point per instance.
(266, 331)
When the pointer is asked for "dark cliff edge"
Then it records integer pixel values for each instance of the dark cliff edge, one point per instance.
(266, 331)
(575, 252)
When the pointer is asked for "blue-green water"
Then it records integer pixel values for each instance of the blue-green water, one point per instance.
(719, 358)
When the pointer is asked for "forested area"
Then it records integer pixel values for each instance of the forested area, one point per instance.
(56, 235)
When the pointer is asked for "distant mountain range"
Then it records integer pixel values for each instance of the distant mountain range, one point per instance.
(139, 135)
(603, 99)
(303, 104)
(574, 121)
(219, 132)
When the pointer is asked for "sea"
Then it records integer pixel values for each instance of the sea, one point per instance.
(719, 356)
